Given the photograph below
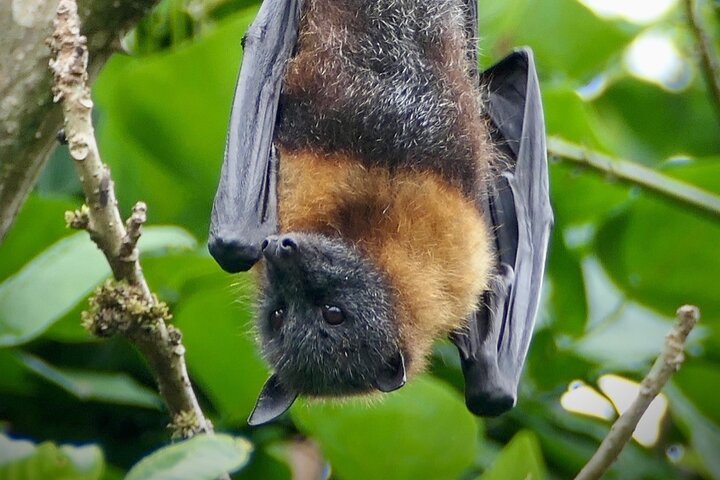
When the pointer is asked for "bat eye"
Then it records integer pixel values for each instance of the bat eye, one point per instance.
(277, 318)
(333, 315)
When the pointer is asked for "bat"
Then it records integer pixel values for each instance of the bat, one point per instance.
(386, 193)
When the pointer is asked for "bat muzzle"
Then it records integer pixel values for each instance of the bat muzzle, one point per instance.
(280, 250)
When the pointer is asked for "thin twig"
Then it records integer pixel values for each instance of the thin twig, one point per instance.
(159, 343)
(637, 174)
(667, 363)
(708, 56)
(134, 229)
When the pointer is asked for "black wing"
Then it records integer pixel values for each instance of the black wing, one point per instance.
(493, 349)
(245, 207)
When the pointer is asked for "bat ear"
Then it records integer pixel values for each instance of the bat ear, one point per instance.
(274, 400)
(392, 375)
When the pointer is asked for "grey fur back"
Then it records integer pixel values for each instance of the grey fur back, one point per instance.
(388, 81)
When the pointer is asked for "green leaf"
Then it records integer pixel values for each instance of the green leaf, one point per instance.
(663, 254)
(570, 117)
(22, 460)
(174, 165)
(180, 275)
(15, 377)
(627, 339)
(69, 329)
(560, 445)
(421, 431)
(521, 459)
(567, 288)
(14, 450)
(221, 352)
(569, 440)
(163, 239)
(581, 196)
(642, 113)
(622, 334)
(118, 388)
(568, 39)
(203, 457)
(703, 433)
(168, 276)
(61, 276)
(699, 381)
(40, 222)
(269, 462)
(552, 367)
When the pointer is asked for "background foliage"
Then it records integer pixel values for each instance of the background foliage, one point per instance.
(622, 260)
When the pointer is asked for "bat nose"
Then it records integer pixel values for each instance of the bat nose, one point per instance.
(279, 248)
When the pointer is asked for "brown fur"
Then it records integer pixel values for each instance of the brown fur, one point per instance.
(428, 238)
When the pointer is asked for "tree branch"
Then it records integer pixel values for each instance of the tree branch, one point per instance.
(637, 174)
(126, 306)
(667, 363)
(29, 120)
(710, 65)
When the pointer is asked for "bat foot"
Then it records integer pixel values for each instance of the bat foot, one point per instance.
(490, 403)
(233, 255)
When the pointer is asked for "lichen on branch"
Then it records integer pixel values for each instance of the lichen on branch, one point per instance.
(118, 307)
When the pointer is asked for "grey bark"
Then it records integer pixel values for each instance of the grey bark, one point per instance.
(29, 121)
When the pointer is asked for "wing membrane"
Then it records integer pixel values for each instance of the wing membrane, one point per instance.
(245, 207)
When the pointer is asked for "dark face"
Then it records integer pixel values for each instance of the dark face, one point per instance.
(326, 320)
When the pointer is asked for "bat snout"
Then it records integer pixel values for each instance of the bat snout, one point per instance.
(279, 249)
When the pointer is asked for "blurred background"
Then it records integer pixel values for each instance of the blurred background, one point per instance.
(621, 78)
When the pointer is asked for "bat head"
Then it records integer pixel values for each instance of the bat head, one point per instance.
(326, 323)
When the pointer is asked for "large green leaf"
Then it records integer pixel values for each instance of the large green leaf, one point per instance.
(22, 460)
(664, 253)
(567, 288)
(581, 197)
(568, 39)
(552, 366)
(700, 382)
(521, 459)
(69, 329)
(421, 431)
(567, 115)
(118, 388)
(39, 224)
(174, 277)
(627, 339)
(158, 240)
(15, 378)
(203, 457)
(164, 122)
(57, 279)
(221, 353)
(652, 124)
